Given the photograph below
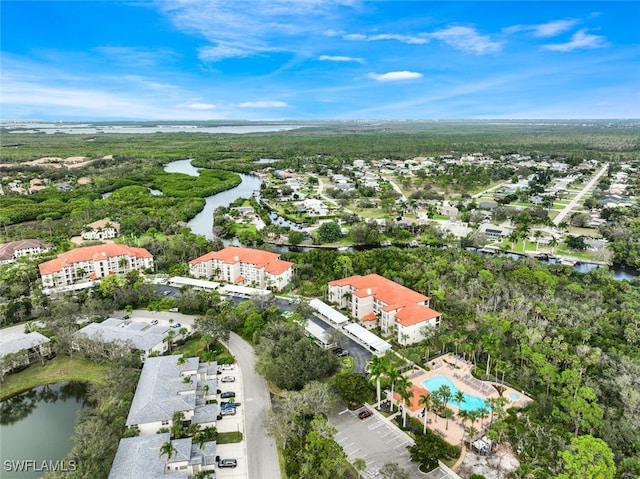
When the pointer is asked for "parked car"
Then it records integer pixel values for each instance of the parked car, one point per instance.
(227, 463)
(227, 405)
(228, 379)
(166, 293)
(365, 414)
(176, 325)
(230, 411)
(227, 395)
(174, 310)
(225, 367)
(154, 321)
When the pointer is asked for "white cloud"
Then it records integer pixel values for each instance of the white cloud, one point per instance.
(467, 39)
(580, 39)
(201, 106)
(549, 29)
(409, 39)
(339, 58)
(242, 28)
(263, 104)
(462, 38)
(138, 56)
(395, 76)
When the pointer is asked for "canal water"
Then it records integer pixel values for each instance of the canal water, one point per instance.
(37, 426)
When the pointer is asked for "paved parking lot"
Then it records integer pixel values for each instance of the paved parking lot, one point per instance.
(373, 439)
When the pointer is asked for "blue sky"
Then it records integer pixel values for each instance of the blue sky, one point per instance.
(318, 59)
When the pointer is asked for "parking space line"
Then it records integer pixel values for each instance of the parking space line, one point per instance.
(342, 412)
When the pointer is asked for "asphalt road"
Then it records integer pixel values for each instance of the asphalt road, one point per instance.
(262, 456)
(574, 202)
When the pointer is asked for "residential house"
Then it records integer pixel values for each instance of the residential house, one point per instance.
(244, 266)
(101, 230)
(21, 349)
(143, 336)
(170, 385)
(93, 262)
(380, 302)
(493, 232)
(11, 251)
(143, 456)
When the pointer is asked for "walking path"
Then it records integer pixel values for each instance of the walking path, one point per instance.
(573, 203)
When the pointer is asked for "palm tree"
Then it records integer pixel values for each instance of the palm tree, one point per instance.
(464, 416)
(394, 375)
(471, 432)
(483, 412)
(444, 393)
(426, 400)
(377, 367)
(360, 465)
(458, 397)
(205, 390)
(404, 384)
(447, 413)
(537, 234)
(553, 243)
(168, 449)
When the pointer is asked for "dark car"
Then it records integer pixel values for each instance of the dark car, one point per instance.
(227, 463)
(365, 414)
(343, 353)
(227, 395)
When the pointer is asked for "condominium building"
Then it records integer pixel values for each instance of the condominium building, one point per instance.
(380, 302)
(13, 250)
(93, 262)
(244, 267)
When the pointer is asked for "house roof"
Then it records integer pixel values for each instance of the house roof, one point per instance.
(91, 253)
(96, 225)
(8, 249)
(412, 403)
(142, 335)
(414, 314)
(161, 391)
(381, 288)
(394, 296)
(14, 342)
(369, 317)
(140, 457)
(259, 258)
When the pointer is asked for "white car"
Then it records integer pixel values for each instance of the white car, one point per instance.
(228, 379)
(225, 367)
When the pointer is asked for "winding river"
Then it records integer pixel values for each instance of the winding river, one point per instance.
(202, 223)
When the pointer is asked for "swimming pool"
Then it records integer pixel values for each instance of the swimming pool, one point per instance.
(514, 396)
(470, 403)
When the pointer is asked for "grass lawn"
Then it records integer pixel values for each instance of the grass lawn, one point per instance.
(229, 437)
(56, 370)
(197, 346)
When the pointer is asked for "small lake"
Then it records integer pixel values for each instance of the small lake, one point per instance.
(202, 223)
(37, 425)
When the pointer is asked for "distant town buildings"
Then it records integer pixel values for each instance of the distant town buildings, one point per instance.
(101, 230)
(244, 267)
(9, 252)
(93, 262)
(377, 301)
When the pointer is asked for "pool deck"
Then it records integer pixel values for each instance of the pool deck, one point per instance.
(459, 372)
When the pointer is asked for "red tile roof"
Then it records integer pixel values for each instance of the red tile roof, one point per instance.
(369, 317)
(96, 225)
(91, 253)
(239, 279)
(415, 314)
(412, 403)
(259, 258)
(393, 295)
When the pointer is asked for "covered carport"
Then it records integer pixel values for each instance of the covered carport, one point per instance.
(365, 337)
(327, 313)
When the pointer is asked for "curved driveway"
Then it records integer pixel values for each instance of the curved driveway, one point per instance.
(262, 456)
